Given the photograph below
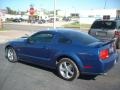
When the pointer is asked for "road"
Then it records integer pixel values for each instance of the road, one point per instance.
(22, 76)
(23, 27)
(30, 27)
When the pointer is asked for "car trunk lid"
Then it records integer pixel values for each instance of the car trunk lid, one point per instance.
(104, 48)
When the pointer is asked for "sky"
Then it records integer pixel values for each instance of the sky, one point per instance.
(23, 5)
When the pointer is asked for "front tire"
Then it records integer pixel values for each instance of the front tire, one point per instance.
(11, 54)
(67, 69)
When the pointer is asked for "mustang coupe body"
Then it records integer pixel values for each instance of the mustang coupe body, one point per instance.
(70, 52)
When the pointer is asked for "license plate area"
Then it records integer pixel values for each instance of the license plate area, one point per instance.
(99, 33)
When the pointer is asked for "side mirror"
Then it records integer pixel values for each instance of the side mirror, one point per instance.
(26, 35)
(29, 41)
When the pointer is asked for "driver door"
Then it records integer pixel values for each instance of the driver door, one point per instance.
(38, 48)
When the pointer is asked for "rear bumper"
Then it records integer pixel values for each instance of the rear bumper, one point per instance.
(102, 67)
(108, 64)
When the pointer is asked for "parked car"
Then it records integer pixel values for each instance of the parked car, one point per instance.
(21, 19)
(70, 52)
(66, 19)
(41, 21)
(51, 20)
(106, 30)
(16, 20)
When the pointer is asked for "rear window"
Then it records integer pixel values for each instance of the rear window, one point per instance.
(80, 37)
(97, 25)
(104, 25)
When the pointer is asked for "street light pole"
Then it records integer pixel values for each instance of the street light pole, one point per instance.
(54, 15)
(105, 4)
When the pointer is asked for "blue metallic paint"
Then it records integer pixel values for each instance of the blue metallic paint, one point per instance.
(47, 54)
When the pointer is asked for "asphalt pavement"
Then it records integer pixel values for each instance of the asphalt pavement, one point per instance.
(33, 27)
(22, 76)
(23, 27)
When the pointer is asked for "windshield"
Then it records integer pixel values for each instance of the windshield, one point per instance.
(104, 25)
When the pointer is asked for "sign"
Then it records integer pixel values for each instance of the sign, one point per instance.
(32, 11)
(106, 17)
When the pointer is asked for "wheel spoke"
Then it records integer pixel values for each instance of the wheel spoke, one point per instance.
(71, 72)
(62, 68)
(70, 69)
(65, 65)
(67, 74)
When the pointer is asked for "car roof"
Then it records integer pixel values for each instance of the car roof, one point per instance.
(113, 20)
(62, 31)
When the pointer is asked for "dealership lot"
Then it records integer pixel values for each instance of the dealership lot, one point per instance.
(22, 76)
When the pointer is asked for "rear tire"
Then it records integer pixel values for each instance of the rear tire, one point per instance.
(11, 54)
(67, 69)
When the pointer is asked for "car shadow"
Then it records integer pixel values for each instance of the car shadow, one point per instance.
(87, 77)
(54, 71)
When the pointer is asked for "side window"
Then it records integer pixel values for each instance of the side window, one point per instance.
(64, 40)
(41, 37)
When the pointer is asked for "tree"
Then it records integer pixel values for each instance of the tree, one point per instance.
(10, 11)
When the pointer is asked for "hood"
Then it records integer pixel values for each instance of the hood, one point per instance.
(19, 40)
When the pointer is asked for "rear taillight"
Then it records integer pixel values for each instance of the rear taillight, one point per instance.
(117, 33)
(104, 54)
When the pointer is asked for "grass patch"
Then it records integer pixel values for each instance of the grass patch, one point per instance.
(77, 25)
(2, 30)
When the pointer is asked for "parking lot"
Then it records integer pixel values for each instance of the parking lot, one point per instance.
(23, 76)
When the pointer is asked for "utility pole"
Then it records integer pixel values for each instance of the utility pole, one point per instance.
(105, 4)
(0, 23)
(54, 15)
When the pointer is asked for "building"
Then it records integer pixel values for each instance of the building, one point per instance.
(88, 16)
(2, 14)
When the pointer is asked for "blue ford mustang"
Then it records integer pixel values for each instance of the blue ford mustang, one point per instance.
(70, 52)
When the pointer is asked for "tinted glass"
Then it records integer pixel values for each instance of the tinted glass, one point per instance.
(109, 24)
(79, 37)
(97, 25)
(41, 37)
(104, 25)
(64, 40)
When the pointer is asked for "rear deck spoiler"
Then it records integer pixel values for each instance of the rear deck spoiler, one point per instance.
(108, 42)
(101, 44)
